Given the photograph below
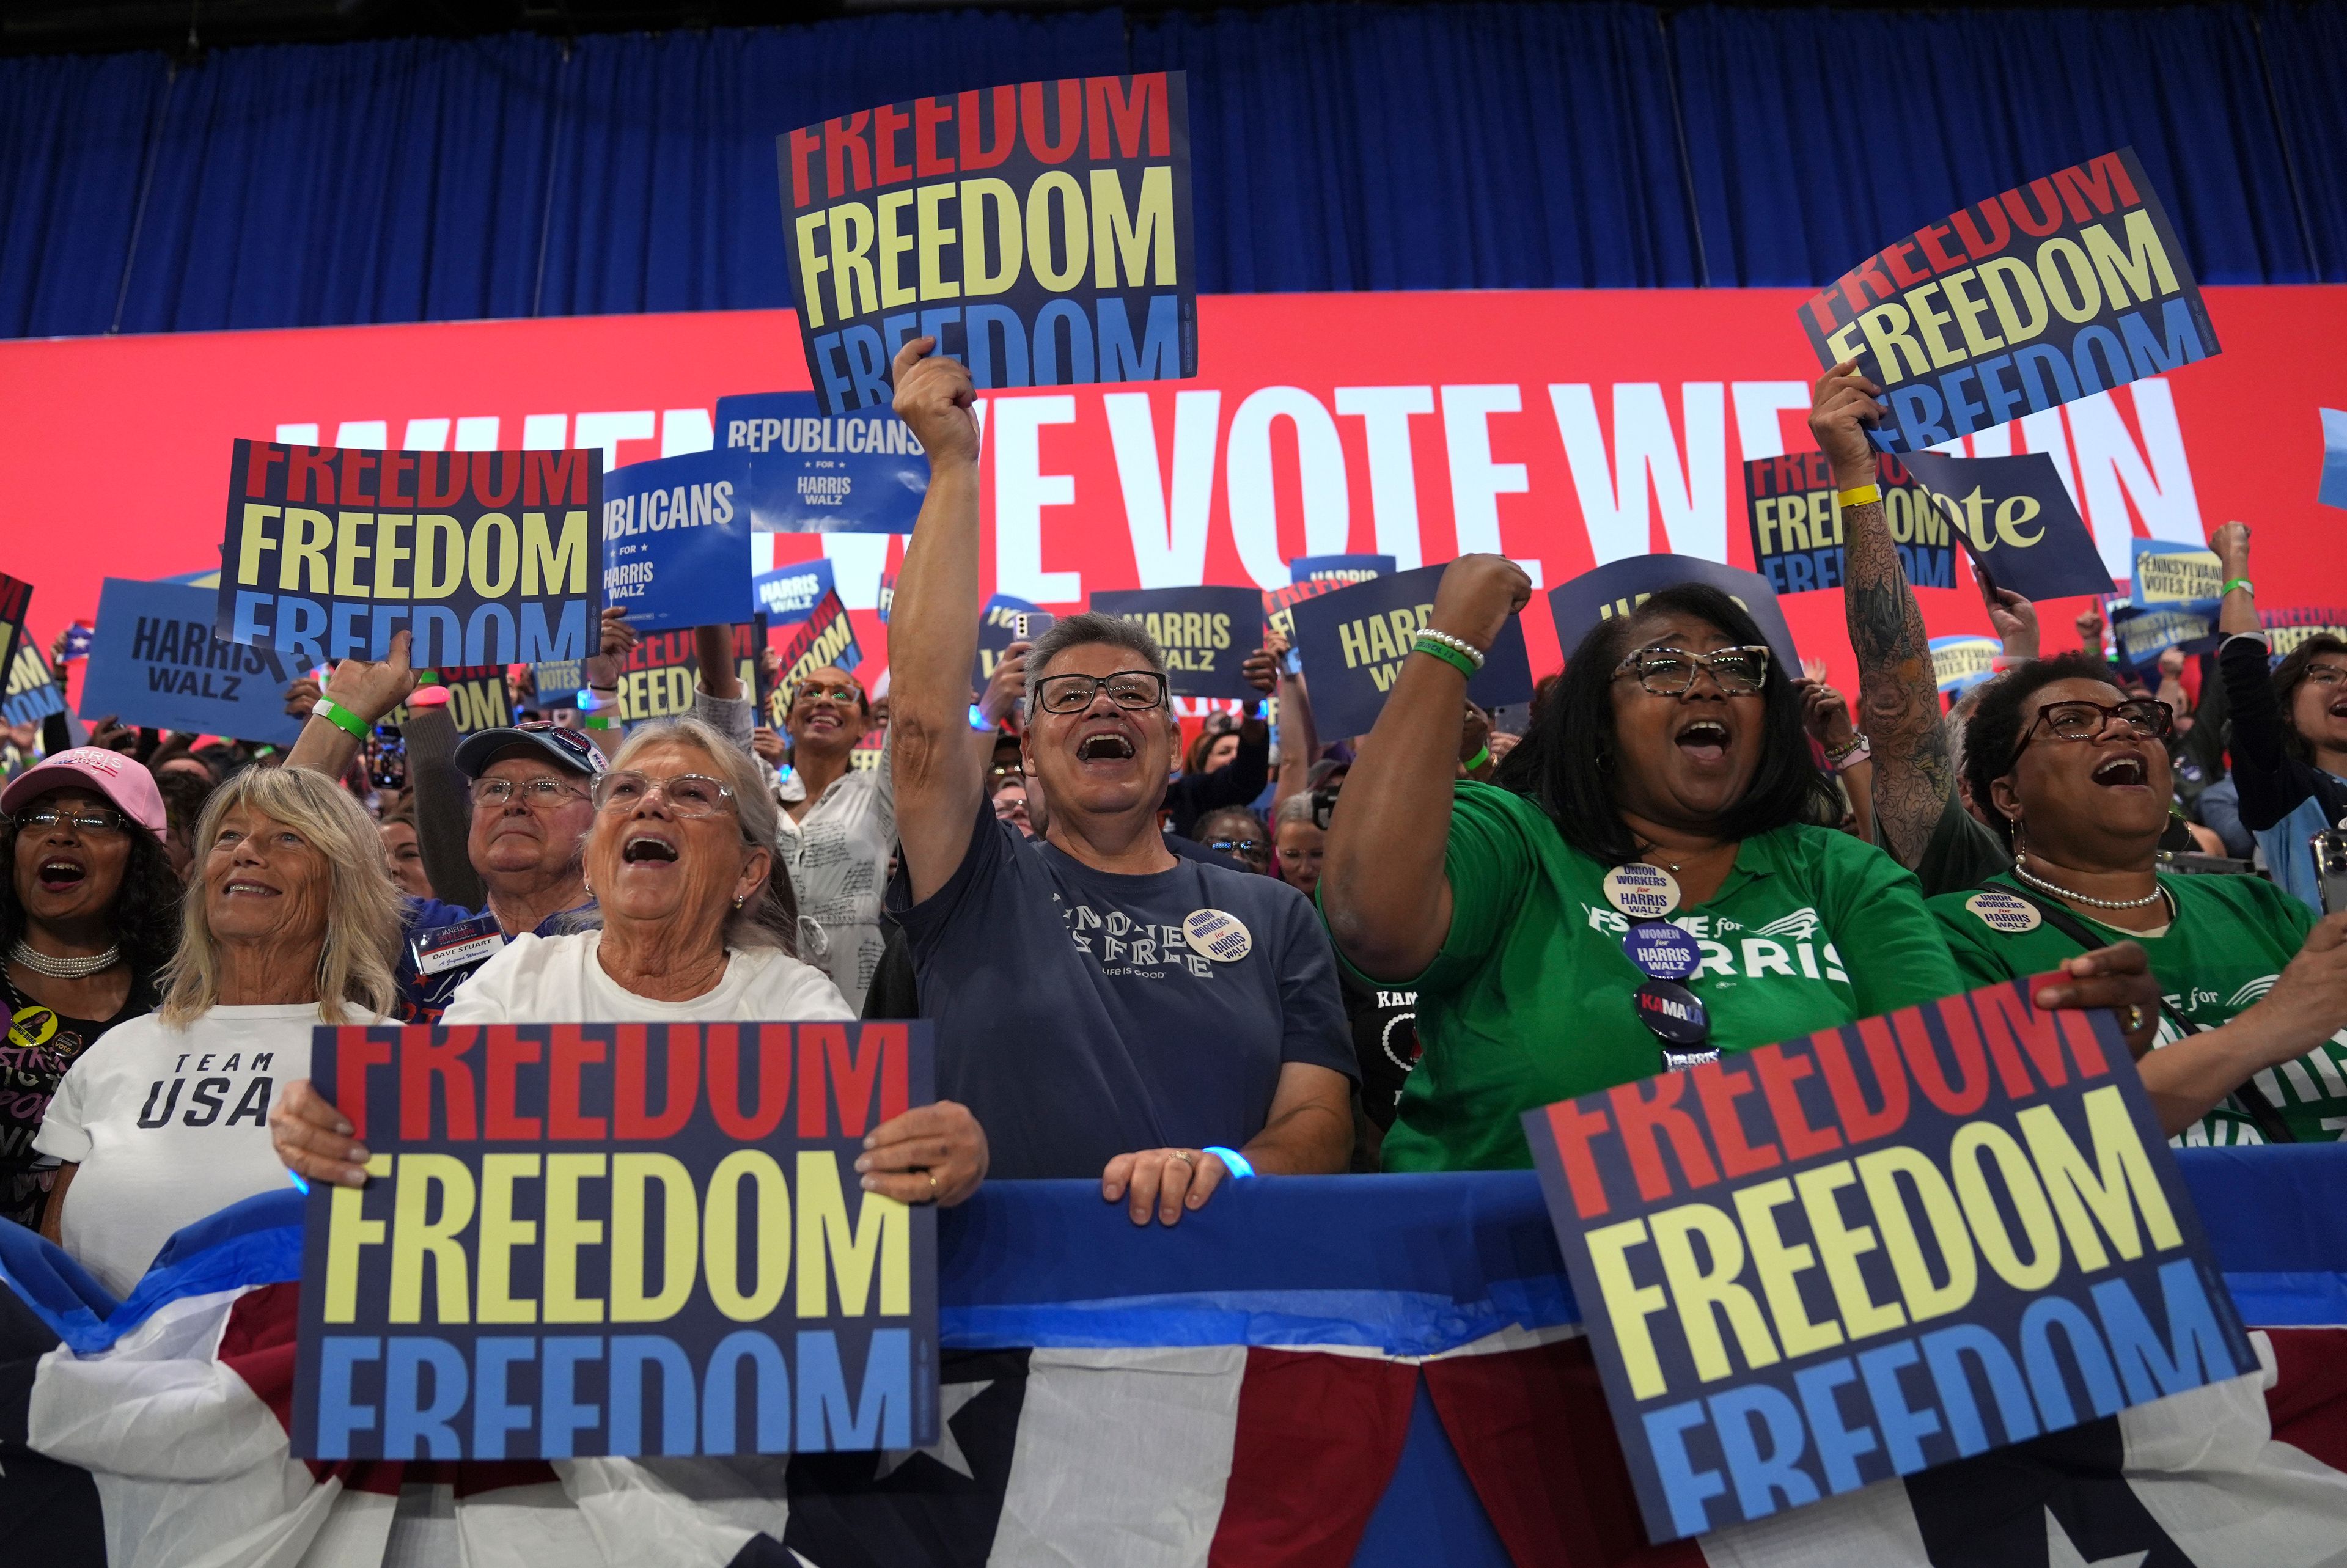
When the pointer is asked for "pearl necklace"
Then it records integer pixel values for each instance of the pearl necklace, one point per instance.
(2021, 869)
(63, 968)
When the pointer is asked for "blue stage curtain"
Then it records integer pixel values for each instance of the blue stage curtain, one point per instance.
(2306, 55)
(666, 184)
(74, 136)
(1815, 137)
(1336, 147)
(1441, 147)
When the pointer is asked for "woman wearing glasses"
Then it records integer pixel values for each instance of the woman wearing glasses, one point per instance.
(838, 825)
(1643, 888)
(89, 916)
(693, 930)
(2075, 777)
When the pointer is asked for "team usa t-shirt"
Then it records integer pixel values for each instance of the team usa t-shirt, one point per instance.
(1082, 1015)
(2230, 939)
(168, 1126)
(1531, 1000)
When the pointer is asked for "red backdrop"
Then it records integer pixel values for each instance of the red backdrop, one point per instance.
(1563, 427)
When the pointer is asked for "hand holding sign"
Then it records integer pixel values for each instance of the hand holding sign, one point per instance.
(2013, 617)
(1843, 407)
(371, 688)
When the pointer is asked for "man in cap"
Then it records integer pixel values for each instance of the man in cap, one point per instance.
(528, 788)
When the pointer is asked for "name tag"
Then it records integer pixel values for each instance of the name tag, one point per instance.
(456, 946)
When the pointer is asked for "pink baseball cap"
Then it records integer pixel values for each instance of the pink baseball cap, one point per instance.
(123, 780)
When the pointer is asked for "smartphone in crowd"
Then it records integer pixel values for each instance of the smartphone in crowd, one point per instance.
(2329, 849)
(1026, 625)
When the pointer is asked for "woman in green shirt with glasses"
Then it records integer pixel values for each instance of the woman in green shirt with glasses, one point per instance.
(2073, 775)
(1642, 888)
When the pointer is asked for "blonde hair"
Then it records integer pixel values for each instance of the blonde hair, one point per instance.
(364, 913)
(769, 917)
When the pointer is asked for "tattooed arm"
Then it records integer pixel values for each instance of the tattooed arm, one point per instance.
(1899, 692)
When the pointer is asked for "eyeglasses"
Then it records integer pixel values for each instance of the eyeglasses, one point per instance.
(2325, 674)
(538, 794)
(838, 696)
(688, 795)
(97, 819)
(2147, 718)
(1126, 689)
(1239, 846)
(1672, 671)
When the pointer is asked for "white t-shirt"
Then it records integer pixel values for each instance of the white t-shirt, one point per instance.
(558, 980)
(168, 1126)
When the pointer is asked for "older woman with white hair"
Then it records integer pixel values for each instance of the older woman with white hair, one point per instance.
(693, 928)
(290, 923)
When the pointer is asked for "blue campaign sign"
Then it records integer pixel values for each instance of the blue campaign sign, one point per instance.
(153, 661)
(1206, 634)
(2168, 574)
(2016, 518)
(676, 540)
(1869, 1251)
(816, 473)
(1351, 644)
(1620, 587)
(789, 593)
(1339, 568)
(2141, 636)
(1963, 663)
(648, 1242)
(558, 684)
(2333, 490)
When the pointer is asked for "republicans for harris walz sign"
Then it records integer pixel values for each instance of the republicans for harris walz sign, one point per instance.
(817, 472)
(487, 557)
(2050, 292)
(616, 1239)
(1039, 233)
(1797, 528)
(1908, 1240)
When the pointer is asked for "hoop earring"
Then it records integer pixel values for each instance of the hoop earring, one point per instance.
(2020, 840)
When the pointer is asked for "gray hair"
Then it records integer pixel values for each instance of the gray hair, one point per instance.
(1092, 626)
(1297, 807)
(769, 917)
(358, 965)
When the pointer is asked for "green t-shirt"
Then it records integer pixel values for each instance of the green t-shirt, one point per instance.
(2231, 937)
(1961, 852)
(1530, 1000)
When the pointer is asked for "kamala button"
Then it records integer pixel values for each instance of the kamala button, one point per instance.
(1641, 891)
(1662, 950)
(1675, 1013)
(2007, 912)
(1219, 935)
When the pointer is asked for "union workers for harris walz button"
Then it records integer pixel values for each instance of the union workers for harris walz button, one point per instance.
(2006, 913)
(1219, 935)
(1641, 891)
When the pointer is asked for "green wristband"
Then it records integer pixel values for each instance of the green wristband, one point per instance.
(2240, 582)
(1479, 759)
(1448, 654)
(341, 718)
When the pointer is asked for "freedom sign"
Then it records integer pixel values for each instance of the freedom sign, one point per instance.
(580, 1240)
(663, 669)
(826, 638)
(154, 662)
(1794, 511)
(1039, 233)
(2050, 292)
(1352, 643)
(15, 603)
(676, 539)
(817, 472)
(1911, 1239)
(1205, 635)
(484, 556)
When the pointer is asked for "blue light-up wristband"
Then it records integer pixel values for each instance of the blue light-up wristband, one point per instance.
(1232, 1160)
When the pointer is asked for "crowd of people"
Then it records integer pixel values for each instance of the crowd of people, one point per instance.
(1167, 967)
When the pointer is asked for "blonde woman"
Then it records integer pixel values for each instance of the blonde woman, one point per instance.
(694, 927)
(290, 922)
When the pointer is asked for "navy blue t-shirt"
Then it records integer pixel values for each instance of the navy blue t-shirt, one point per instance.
(1077, 1020)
